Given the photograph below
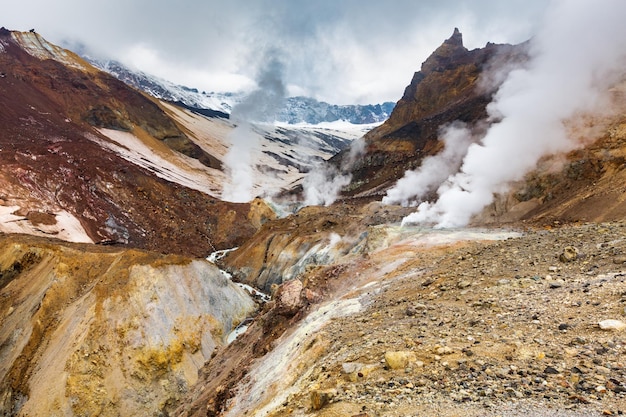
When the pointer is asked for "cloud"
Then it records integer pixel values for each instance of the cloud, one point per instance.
(341, 51)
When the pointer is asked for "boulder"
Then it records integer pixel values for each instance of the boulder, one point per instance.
(289, 297)
(569, 254)
(399, 359)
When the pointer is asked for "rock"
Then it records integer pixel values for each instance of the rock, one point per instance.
(444, 350)
(550, 370)
(411, 311)
(312, 296)
(356, 371)
(619, 260)
(350, 367)
(289, 298)
(321, 398)
(612, 325)
(399, 359)
(569, 254)
(464, 284)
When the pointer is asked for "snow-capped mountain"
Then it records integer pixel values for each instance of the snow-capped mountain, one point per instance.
(308, 110)
(295, 109)
(168, 91)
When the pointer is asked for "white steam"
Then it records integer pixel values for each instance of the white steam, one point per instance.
(238, 164)
(324, 183)
(578, 53)
(434, 170)
(259, 106)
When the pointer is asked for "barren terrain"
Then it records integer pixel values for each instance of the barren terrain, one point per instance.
(478, 328)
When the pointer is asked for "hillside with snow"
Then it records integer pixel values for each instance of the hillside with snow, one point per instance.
(294, 110)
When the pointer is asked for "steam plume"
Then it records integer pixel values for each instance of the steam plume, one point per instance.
(259, 106)
(578, 53)
(415, 185)
(324, 183)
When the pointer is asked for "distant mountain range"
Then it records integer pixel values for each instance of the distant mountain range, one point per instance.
(295, 110)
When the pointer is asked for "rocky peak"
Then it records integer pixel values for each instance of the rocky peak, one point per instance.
(443, 91)
(455, 39)
(447, 55)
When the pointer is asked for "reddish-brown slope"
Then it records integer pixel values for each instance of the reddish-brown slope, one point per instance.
(48, 163)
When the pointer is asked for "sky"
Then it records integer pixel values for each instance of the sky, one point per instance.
(339, 51)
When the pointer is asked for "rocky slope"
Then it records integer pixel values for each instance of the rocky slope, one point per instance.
(366, 318)
(92, 330)
(372, 319)
(390, 321)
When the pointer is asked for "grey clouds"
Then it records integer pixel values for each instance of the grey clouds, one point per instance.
(341, 51)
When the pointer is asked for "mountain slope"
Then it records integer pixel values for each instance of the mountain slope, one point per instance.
(376, 319)
(58, 179)
(366, 317)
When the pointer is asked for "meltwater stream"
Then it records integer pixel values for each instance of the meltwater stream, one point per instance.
(253, 292)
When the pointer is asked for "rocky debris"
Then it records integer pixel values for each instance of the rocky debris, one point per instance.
(510, 341)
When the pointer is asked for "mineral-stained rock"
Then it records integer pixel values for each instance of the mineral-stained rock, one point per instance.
(97, 330)
(321, 398)
(289, 297)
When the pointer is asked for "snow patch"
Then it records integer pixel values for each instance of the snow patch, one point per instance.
(67, 226)
(354, 130)
(283, 153)
(166, 164)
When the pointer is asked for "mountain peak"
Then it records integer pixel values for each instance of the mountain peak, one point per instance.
(456, 39)
(449, 53)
